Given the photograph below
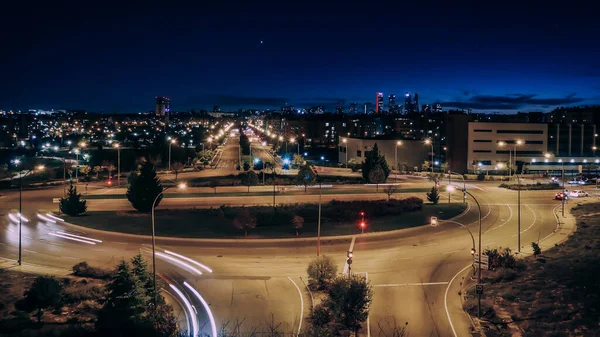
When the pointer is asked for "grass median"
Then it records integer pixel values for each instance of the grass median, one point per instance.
(337, 219)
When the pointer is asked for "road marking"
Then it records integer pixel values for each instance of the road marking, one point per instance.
(533, 223)
(505, 222)
(351, 249)
(30, 251)
(440, 232)
(69, 257)
(446, 299)
(431, 244)
(411, 284)
(452, 251)
(489, 244)
(301, 306)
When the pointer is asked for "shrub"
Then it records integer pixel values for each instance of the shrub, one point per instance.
(481, 176)
(321, 272)
(82, 269)
(82, 292)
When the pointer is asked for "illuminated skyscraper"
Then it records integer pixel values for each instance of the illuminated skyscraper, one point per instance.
(353, 108)
(379, 103)
(416, 102)
(162, 108)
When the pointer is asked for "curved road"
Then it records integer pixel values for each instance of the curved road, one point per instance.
(259, 281)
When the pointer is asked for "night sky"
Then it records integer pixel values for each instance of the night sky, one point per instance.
(508, 58)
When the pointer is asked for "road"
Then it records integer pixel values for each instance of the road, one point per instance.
(255, 279)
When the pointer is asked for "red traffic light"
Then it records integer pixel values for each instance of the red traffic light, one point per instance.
(109, 182)
(362, 225)
(362, 213)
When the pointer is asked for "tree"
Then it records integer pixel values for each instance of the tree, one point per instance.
(144, 187)
(249, 178)
(433, 195)
(139, 268)
(110, 168)
(214, 183)
(72, 204)
(389, 190)
(97, 170)
(348, 301)
(177, 167)
(244, 144)
(321, 272)
(536, 249)
(306, 176)
(444, 167)
(85, 169)
(426, 166)
(377, 176)
(45, 292)
(246, 166)
(298, 222)
(373, 160)
(244, 220)
(297, 159)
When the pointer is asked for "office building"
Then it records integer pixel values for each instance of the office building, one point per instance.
(379, 103)
(339, 109)
(392, 103)
(368, 108)
(411, 154)
(416, 102)
(353, 108)
(572, 139)
(162, 108)
(490, 144)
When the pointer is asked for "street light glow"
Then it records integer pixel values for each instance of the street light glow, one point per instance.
(182, 186)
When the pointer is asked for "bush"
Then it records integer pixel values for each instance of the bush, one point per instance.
(481, 176)
(82, 269)
(321, 272)
(82, 292)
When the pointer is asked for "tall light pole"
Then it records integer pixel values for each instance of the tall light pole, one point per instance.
(180, 186)
(465, 192)
(319, 218)
(430, 142)
(518, 142)
(518, 213)
(21, 174)
(293, 140)
(171, 142)
(463, 180)
(502, 144)
(76, 165)
(118, 147)
(345, 141)
(562, 201)
(398, 143)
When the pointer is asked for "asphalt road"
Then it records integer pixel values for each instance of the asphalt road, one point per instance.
(256, 281)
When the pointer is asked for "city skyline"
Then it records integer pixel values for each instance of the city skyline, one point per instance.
(464, 57)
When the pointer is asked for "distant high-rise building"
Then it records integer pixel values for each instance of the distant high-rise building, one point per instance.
(353, 108)
(339, 109)
(408, 103)
(437, 107)
(162, 108)
(416, 102)
(379, 102)
(368, 108)
(392, 102)
(216, 108)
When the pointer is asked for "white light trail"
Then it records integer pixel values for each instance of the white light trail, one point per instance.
(213, 325)
(54, 217)
(179, 263)
(79, 237)
(47, 219)
(190, 260)
(13, 218)
(22, 217)
(70, 238)
(189, 308)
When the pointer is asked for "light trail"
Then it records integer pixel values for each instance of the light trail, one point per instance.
(188, 305)
(79, 237)
(189, 260)
(179, 263)
(70, 238)
(213, 324)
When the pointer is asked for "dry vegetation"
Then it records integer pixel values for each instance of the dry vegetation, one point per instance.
(557, 294)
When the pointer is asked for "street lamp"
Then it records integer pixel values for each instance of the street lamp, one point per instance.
(173, 141)
(435, 221)
(450, 173)
(562, 201)
(118, 147)
(180, 186)
(76, 165)
(345, 141)
(319, 217)
(298, 144)
(16, 162)
(465, 192)
(430, 142)
(398, 143)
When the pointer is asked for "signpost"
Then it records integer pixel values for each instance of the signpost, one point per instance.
(479, 288)
(485, 261)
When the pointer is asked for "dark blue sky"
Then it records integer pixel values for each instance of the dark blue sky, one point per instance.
(509, 57)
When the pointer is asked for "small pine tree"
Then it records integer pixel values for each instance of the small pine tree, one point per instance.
(433, 196)
(144, 187)
(373, 160)
(536, 249)
(72, 204)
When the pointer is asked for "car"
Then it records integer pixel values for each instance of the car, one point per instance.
(559, 196)
(577, 181)
(578, 193)
(555, 179)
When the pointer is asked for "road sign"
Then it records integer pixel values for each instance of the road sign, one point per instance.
(479, 289)
(485, 261)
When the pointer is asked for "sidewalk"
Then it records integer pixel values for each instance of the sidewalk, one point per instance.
(32, 268)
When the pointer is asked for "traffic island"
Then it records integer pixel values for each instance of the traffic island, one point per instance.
(284, 221)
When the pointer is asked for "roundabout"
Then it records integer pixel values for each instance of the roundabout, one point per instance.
(416, 273)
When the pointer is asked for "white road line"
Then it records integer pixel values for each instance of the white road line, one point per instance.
(69, 257)
(411, 284)
(532, 223)
(489, 244)
(452, 251)
(301, 305)
(505, 222)
(431, 244)
(446, 299)
(30, 251)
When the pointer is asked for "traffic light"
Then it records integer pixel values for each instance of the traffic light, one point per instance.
(362, 214)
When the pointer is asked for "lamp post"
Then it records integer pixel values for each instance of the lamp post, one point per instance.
(293, 140)
(398, 143)
(118, 147)
(171, 142)
(430, 142)
(562, 201)
(463, 180)
(468, 230)
(76, 165)
(518, 142)
(465, 192)
(518, 212)
(319, 218)
(180, 186)
(21, 174)
(345, 141)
